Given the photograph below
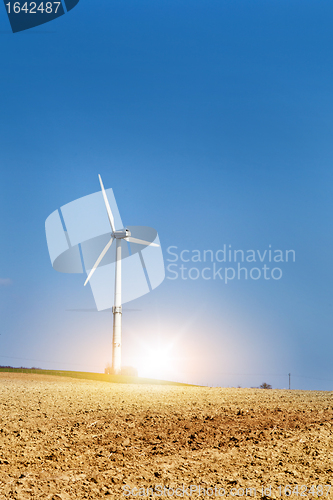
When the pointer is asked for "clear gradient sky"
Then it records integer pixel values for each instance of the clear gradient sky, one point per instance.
(212, 121)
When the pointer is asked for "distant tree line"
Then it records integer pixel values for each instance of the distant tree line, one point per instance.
(20, 367)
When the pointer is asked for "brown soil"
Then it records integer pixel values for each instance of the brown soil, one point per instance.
(71, 439)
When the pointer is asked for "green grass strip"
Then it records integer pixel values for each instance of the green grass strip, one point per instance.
(101, 377)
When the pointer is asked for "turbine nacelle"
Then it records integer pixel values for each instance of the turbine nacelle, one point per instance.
(121, 234)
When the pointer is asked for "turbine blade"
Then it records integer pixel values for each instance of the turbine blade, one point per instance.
(140, 242)
(108, 208)
(106, 248)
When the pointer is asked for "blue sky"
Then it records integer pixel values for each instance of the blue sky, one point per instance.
(212, 122)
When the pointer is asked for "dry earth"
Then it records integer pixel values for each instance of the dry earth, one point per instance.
(71, 439)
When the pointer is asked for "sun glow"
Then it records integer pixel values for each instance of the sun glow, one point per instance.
(157, 363)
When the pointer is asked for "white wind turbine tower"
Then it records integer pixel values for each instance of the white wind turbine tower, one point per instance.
(118, 235)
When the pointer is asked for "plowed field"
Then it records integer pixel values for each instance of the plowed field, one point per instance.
(71, 439)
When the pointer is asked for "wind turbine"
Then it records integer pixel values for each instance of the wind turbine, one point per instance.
(118, 235)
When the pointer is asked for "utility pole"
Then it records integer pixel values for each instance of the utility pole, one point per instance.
(289, 381)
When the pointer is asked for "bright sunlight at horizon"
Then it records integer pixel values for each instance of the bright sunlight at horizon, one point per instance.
(157, 362)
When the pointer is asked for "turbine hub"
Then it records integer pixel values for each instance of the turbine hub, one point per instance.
(122, 233)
